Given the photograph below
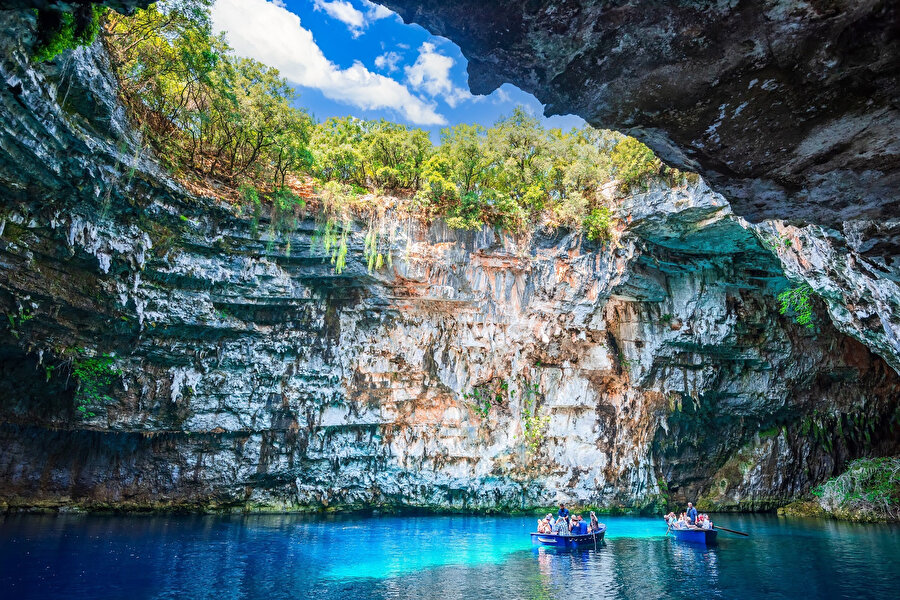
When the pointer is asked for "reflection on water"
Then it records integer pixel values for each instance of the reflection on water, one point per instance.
(444, 557)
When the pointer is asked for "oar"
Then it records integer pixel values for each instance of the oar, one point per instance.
(731, 531)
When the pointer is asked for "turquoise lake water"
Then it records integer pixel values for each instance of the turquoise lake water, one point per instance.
(441, 557)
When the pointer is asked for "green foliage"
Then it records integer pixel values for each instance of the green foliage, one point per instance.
(516, 174)
(249, 196)
(286, 208)
(17, 319)
(870, 487)
(94, 376)
(205, 110)
(331, 238)
(375, 259)
(58, 31)
(482, 399)
(797, 301)
(598, 225)
(634, 163)
(776, 242)
(770, 432)
(534, 426)
(828, 429)
(209, 114)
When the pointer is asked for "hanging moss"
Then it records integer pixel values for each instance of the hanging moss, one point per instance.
(58, 31)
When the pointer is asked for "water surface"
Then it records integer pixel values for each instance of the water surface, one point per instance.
(440, 557)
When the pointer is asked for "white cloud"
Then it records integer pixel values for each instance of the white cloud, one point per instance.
(273, 35)
(344, 12)
(355, 19)
(501, 97)
(388, 61)
(431, 74)
(377, 12)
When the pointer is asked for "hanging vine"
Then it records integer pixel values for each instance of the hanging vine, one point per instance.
(331, 238)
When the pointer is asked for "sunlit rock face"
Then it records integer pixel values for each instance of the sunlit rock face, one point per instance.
(253, 377)
(787, 108)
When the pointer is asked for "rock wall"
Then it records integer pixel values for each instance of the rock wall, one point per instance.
(257, 377)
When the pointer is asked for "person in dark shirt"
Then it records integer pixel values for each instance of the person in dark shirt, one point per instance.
(563, 512)
(692, 514)
(595, 524)
(579, 527)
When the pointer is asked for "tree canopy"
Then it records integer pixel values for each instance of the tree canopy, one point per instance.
(210, 114)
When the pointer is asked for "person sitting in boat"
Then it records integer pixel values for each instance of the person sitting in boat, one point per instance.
(561, 527)
(563, 512)
(595, 524)
(544, 525)
(670, 518)
(579, 527)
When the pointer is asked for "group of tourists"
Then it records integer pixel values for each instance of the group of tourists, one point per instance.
(567, 524)
(689, 519)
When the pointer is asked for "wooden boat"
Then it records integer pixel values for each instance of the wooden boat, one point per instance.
(695, 535)
(552, 540)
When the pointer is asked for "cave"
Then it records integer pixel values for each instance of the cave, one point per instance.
(705, 310)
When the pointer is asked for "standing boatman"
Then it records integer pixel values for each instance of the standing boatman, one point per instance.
(563, 512)
(692, 514)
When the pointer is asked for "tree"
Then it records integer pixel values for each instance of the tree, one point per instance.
(204, 109)
(634, 163)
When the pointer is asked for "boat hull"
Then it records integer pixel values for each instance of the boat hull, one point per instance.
(549, 540)
(696, 536)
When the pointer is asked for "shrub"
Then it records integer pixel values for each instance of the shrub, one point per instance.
(598, 225)
(465, 214)
(481, 399)
(634, 163)
(868, 490)
(534, 426)
(94, 376)
(59, 31)
(797, 300)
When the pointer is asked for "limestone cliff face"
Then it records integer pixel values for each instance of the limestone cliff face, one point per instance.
(254, 377)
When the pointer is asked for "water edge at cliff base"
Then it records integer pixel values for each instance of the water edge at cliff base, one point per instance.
(440, 557)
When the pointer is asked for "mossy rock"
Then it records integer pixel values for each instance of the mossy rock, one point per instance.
(803, 508)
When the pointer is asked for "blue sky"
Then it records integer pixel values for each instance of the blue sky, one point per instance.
(353, 57)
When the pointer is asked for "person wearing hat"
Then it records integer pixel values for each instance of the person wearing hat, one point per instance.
(579, 527)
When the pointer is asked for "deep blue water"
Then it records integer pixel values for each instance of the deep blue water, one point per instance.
(441, 557)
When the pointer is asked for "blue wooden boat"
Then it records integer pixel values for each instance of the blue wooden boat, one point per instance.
(551, 540)
(695, 536)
